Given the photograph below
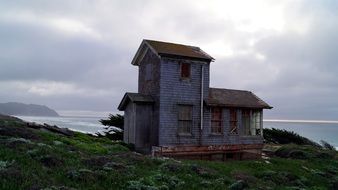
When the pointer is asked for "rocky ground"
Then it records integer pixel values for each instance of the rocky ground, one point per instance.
(46, 157)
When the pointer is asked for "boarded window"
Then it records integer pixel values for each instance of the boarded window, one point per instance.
(184, 119)
(216, 120)
(185, 70)
(233, 121)
(148, 72)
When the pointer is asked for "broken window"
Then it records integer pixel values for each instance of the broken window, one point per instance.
(246, 121)
(233, 121)
(216, 120)
(251, 121)
(185, 70)
(184, 119)
(256, 122)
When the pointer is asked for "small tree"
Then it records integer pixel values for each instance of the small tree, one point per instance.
(327, 145)
(114, 127)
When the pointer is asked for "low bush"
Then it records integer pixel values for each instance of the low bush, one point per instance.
(282, 136)
(304, 152)
(327, 145)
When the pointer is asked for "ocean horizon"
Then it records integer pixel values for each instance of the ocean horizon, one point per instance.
(315, 130)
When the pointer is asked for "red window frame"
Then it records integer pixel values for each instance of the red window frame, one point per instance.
(185, 70)
(233, 122)
(216, 120)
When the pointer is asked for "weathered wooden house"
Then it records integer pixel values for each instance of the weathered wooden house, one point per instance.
(176, 113)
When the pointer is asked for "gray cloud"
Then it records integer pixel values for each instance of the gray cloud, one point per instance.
(75, 55)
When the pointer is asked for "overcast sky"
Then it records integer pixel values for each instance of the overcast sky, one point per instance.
(75, 55)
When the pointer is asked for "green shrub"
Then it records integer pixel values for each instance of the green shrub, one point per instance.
(304, 152)
(298, 154)
(282, 136)
(5, 164)
(295, 152)
(326, 155)
(327, 145)
(138, 185)
(238, 185)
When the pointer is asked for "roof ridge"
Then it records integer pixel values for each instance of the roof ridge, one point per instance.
(229, 89)
(177, 49)
(172, 43)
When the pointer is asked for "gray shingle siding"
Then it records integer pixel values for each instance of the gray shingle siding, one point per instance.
(143, 125)
(129, 124)
(150, 85)
(149, 82)
(174, 91)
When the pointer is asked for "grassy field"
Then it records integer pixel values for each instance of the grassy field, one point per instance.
(37, 159)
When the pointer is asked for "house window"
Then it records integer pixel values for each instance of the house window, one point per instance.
(246, 121)
(185, 70)
(251, 121)
(216, 120)
(184, 119)
(256, 122)
(233, 121)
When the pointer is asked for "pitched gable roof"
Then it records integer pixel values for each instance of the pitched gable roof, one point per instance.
(235, 98)
(134, 97)
(167, 49)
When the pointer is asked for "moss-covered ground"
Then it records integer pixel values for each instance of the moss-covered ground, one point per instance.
(35, 159)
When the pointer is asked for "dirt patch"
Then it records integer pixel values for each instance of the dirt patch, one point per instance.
(19, 144)
(83, 175)
(96, 162)
(10, 118)
(202, 171)
(171, 167)
(238, 175)
(114, 166)
(51, 161)
(131, 157)
(238, 185)
(12, 174)
(19, 132)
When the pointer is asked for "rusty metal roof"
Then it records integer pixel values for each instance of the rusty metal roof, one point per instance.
(134, 97)
(235, 98)
(172, 49)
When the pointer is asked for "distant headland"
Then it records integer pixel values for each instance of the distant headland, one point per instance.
(16, 108)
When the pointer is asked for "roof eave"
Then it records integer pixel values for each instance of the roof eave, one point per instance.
(128, 98)
(139, 53)
(123, 102)
(185, 57)
(238, 106)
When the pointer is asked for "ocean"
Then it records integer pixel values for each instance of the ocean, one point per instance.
(316, 131)
(81, 124)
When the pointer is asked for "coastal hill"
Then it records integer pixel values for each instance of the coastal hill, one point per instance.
(15, 108)
(35, 157)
